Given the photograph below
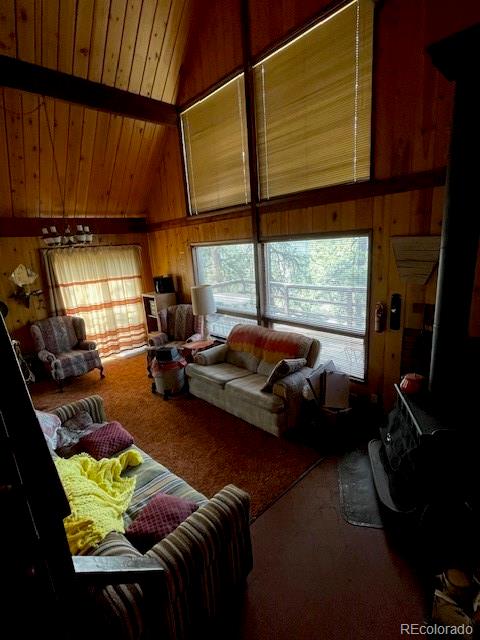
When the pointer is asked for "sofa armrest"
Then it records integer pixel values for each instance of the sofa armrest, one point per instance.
(46, 356)
(212, 355)
(158, 339)
(87, 345)
(290, 389)
(205, 557)
(92, 405)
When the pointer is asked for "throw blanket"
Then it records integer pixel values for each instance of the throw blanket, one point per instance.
(97, 494)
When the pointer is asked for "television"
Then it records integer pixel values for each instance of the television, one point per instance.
(163, 284)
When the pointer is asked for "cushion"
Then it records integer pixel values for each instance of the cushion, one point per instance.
(79, 421)
(161, 516)
(216, 373)
(106, 441)
(283, 368)
(50, 424)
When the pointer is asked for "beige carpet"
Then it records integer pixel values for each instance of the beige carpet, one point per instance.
(206, 446)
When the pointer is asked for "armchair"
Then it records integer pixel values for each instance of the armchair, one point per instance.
(178, 325)
(61, 344)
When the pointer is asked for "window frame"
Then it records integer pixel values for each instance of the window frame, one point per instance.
(269, 320)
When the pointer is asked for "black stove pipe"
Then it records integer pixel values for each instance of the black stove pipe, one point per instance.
(457, 57)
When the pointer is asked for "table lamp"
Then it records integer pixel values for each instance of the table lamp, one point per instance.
(203, 303)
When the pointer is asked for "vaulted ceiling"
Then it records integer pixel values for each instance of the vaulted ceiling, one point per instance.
(64, 159)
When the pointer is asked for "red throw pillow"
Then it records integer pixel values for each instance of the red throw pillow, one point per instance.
(157, 519)
(106, 441)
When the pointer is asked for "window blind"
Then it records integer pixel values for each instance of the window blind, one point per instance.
(215, 149)
(313, 105)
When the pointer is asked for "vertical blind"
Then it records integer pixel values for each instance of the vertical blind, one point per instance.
(215, 147)
(313, 104)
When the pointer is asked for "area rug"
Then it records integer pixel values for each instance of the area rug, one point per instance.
(358, 497)
(204, 445)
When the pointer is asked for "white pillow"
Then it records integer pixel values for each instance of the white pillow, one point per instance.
(50, 424)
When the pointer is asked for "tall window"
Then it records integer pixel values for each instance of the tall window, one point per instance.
(313, 105)
(215, 149)
(230, 269)
(320, 286)
(103, 285)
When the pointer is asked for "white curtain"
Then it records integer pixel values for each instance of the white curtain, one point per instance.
(103, 285)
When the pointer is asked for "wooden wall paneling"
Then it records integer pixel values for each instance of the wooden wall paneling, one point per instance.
(31, 138)
(436, 217)
(364, 213)
(50, 12)
(127, 49)
(60, 143)
(214, 46)
(319, 218)
(171, 41)
(145, 28)
(116, 19)
(83, 34)
(47, 171)
(74, 149)
(66, 35)
(111, 149)
(155, 47)
(347, 215)
(26, 31)
(96, 170)
(118, 174)
(167, 89)
(13, 106)
(146, 171)
(85, 160)
(97, 40)
(398, 213)
(8, 41)
(6, 207)
(134, 155)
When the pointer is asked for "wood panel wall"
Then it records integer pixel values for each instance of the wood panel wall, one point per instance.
(411, 131)
(27, 251)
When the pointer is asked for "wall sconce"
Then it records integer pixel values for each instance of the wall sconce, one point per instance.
(54, 238)
(23, 277)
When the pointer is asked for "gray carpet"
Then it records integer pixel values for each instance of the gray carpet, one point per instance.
(358, 497)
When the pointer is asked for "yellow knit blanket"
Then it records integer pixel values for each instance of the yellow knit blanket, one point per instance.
(97, 494)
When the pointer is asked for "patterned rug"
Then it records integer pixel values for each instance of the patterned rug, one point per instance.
(206, 446)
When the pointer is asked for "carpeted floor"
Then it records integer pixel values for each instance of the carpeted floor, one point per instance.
(206, 446)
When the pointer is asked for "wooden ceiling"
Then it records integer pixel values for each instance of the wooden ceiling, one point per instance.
(64, 159)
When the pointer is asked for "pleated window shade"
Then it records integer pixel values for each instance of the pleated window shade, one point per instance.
(313, 105)
(216, 151)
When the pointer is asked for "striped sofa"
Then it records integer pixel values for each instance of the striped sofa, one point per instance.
(204, 559)
(232, 376)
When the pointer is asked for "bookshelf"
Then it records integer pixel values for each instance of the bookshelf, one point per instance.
(152, 303)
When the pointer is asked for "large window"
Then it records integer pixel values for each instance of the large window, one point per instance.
(313, 105)
(320, 286)
(215, 149)
(230, 269)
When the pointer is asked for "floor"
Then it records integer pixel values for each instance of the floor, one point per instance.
(315, 576)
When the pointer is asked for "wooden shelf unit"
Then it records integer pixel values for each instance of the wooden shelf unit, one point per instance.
(152, 303)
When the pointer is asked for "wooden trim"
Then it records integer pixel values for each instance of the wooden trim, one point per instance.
(30, 227)
(325, 195)
(356, 191)
(33, 78)
(243, 212)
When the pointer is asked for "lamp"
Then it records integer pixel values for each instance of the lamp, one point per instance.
(203, 303)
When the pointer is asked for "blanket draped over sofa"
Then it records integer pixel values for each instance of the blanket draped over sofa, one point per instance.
(98, 496)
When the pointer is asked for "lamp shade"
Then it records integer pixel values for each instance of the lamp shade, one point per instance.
(203, 301)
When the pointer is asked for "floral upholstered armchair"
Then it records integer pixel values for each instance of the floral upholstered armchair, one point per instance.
(178, 325)
(61, 344)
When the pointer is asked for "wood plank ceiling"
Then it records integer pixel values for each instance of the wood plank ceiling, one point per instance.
(59, 159)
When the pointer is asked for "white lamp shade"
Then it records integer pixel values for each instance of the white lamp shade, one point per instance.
(203, 301)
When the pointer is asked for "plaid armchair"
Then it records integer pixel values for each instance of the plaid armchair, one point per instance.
(178, 325)
(61, 344)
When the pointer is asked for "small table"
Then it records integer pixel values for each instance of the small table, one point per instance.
(190, 349)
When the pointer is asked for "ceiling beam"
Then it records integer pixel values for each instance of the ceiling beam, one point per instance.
(25, 76)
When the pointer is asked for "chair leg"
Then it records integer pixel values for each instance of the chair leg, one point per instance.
(102, 375)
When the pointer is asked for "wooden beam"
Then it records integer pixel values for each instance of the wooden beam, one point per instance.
(25, 76)
(31, 227)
